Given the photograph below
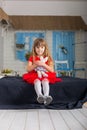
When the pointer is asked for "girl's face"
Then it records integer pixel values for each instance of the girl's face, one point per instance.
(40, 50)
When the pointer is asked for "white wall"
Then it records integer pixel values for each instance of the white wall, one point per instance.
(10, 61)
(1, 49)
(81, 53)
(70, 8)
(49, 40)
(7, 54)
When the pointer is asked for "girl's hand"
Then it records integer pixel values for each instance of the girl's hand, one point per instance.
(39, 63)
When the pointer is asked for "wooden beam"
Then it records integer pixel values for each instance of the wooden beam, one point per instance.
(3, 15)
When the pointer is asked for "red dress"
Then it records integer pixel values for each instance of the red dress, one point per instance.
(31, 76)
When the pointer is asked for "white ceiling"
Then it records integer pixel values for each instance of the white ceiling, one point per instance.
(43, 0)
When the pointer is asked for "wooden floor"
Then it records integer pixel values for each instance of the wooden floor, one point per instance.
(43, 119)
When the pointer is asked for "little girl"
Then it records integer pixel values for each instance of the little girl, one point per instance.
(41, 85)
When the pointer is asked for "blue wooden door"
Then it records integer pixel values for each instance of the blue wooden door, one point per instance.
(63, 46)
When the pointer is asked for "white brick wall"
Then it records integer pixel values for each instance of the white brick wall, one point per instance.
(8, 56)
(80, 53)
(1, 49)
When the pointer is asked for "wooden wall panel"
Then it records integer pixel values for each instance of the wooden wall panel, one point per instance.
(48, 22)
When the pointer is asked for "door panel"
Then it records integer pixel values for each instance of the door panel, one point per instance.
(63, 46)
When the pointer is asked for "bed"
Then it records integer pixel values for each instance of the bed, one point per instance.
(15, 93)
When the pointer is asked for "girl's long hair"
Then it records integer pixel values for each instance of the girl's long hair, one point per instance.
(41, 42)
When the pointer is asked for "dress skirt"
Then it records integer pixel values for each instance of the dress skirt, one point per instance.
(31, 76)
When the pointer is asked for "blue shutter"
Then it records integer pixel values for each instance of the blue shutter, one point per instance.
(20, 40)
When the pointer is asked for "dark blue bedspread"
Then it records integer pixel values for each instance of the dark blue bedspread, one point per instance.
(15, 93)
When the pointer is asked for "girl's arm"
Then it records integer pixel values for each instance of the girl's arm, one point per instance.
(49, 67)
(31, 66)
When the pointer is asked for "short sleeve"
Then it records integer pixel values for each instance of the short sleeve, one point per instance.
(31, 59)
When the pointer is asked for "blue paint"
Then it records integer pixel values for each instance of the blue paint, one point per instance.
(21, 55)
(21, 39)
(67, 40)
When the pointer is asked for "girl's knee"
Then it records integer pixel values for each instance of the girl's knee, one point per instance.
(45, 80)
(36, 80)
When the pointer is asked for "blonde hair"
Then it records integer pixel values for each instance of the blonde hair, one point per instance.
(41, 42)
